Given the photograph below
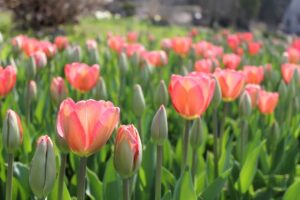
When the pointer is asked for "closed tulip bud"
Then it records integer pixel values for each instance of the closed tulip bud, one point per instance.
(75, 53)
(100, 89)
(145, 73)
(30, 68)
(94, 55)
(42, 172)
(12, 131)
(196, 133)
(217, 98)
(40, 59)
(58, 90)
(161, 96)
(159, 126)
(123, 62)
(128, 151)
(32, 91)
(107, 54)
(138, 103)
(245, 105)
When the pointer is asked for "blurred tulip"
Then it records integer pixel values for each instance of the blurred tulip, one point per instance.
(181, 45)
(18, 41)
(123, 64)
(8, 76)
(61, 42)
(32, 91)
(246, 37)
(231, 61)
(91, 44)
(231, 83)
(42, 173)
(156, 58)
(116, 43)
(161, 96)
(233, 41)
(166, 44)
(58, 90)
(81, 76)
(287, 71)
(252, 90)
(48, 48)
(128, 151)
(134, 48)
(100, 90)
(159, 126)
(86, 126)
(254, 75)
(267, 101)
(31, 68)
(204, 65)
(40, 59)
(293, 55)
(132, 36)
(254, 48)
(138, 101)
(191, 94)
(12, 131)
(245, 104)
(217, 97)
(74, 53)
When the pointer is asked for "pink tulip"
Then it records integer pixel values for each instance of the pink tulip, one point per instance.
(8, 78)
(267, 101)
(254, 74)
(231, 61)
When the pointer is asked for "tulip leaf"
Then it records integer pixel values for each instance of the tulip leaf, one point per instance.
(21, 174)
(214, 189)
(292, 192)
(167, 195)
(53, 193)
(94, 186)
(167, 178)
(184, 188)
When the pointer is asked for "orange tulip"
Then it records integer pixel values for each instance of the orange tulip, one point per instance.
(254, 74)
(132, 36)
(81, 76)
(252, 90)
(58, 89)
(191, 94)
(254, 47)
(8, 77)
(181, 45)
(231, 61)
(231, 83)
(116, 43)
(267, 101)
(293, 55)
(86, 126)
(61, 42)
(156, 58)
(287, 71)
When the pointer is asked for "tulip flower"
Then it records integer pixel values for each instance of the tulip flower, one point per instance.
(233, 41)
(42, 172)
(191, 94)
(132, 36)
(253, 74)
(204, 65)
(252, 90)
(293, 55)
(231, 61)
(58, 90)
(48, 48)
(156, 58)
(287, 71)
(116, 43)
(40, 59)
(91, 44)
(100, 91)
(267, 101)
(166, 44)
(81, 76)
(253, 48)
(231, 83)
(74, 53)
(181, 45)
(134, 48)
(8, 77)
(127, 155)
(86, 125)
(18, 41)
(246, 37)
(61, 42)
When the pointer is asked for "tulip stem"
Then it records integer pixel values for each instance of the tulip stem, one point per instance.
(215, 132)
(8, 194)
(81, 179)
(185, 146)
(222, 131)
(159, 153)
(194, 164)
(140, 128)
(126, 189)
(60, 192)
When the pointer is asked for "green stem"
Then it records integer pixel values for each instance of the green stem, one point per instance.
(243, 139)
(185, 146)
(140, 128)
(158, 172)
(61, 176)
(215, 132)
(126, 189)
(81, 179)
(10, 163)
(194, 164)
(222, 131)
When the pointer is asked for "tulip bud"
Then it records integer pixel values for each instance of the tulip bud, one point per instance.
(217, 98)
(123, 62)
(40, 59)
(30, 68)
(138, 103)
(128, 151)
(245, 105)
(282, 90)
(159, 126)
(74, 53)
(42, 172)
(31, 91)
(94, 56)
(161, 96)
(196, 133)
(100, 91)
(107, 54)
(12, 131)
(135, 59)
(145, 73)
(58, 90)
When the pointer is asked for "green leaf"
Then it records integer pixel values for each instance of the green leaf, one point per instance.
(184, 188)
(94, 185)
(214, 189)
(167, 195)
(21, 174)
(53, 194)
(292, 192)
(112, 183)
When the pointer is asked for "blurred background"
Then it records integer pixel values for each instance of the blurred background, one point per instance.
(271, 15)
